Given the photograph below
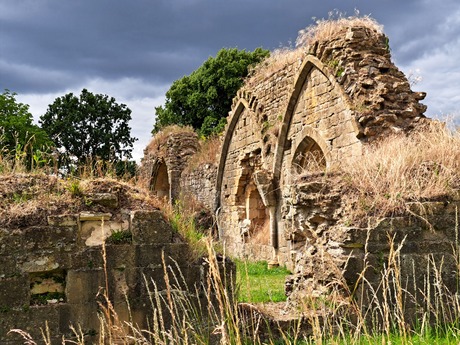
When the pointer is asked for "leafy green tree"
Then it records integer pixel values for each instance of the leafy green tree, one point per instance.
(89, 127)
(18, 134)
(204, 98)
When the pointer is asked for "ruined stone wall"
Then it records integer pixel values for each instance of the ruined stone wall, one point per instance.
(239, 194)
(310, 112)
(382, 99)
(417, 250)
(53, 267)
(164, 160)
(266, 95)
(298, 116)
(200, 184)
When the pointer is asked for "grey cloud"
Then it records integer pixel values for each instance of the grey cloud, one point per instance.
(141, 46)
(115, 38)
(28, 78)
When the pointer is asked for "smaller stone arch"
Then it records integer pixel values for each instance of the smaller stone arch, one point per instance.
(311, 152)
(309, 157)
(160, 180)
(257, 219)
(166, 157)
(244, 100)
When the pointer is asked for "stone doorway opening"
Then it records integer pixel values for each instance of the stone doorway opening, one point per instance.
(254, 215)
(161, 184)
(257, 214)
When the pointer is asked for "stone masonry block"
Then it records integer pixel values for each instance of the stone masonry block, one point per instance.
(40, 262)
(33, 320)
(95, 232)
(85, 315)
(83, 286)
(105, 199)
(149, 227)
(120, 256)
(63, 220)
(90, 258)
(11, 241)
(149, 255)
(44, 237)
(8, 267)
(14, 292)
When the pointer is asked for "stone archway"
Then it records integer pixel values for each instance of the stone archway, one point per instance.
(160, 185)
(311, 153)
(329, 127)
(308, 157)
(255, 227)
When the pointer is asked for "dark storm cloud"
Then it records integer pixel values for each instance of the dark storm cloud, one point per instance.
(154, 40)
(133, 50)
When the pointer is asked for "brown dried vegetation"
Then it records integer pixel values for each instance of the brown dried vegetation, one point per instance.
(321, 30)
(399, 169)
(27, 199)
(208, 153)
(157, 145)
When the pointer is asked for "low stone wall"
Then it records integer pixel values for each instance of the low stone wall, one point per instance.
(55, 273)
(418, 250)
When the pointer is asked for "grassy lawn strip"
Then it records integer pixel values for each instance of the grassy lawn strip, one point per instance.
(257, 283)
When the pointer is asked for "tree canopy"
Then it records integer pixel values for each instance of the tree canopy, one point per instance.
(17, 131)
(204, 98)
(89, 127)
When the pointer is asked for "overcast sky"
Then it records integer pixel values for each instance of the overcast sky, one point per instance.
(134, 49)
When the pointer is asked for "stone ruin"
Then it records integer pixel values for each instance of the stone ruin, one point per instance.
(289, 122)
(316, 112)
(53, 267)
(164, 160)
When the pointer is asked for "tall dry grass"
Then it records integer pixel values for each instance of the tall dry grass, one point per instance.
(424, 165)
(208, 153)
(327, 28)
(183, 317)
(157, 144)
(321, 30)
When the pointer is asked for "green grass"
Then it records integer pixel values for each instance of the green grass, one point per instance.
(258, 284)
(396, 339)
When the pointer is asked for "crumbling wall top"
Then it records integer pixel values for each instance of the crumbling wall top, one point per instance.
(357, 56)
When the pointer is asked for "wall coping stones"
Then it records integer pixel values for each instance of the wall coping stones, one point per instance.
(84, 216)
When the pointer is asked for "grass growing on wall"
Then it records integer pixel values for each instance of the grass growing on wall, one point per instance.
(257, 283)
(404, 168)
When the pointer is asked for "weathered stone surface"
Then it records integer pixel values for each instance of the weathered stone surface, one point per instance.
(109, 200)
(96, 216)
(33, 320)
(59, 272)
(83, 285)
(150, 227)
(14, 292)
(337, 258)
(165, 160)
(95, 232)
(200, 183)
(63, 220)
(40, 263)
(47, 237)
